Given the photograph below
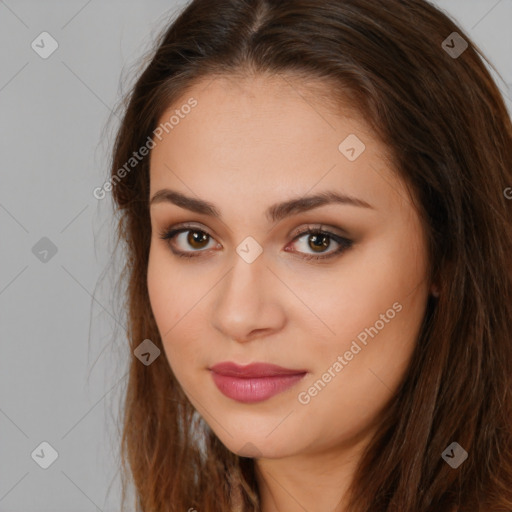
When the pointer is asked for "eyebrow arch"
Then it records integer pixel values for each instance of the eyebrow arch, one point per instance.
(274, 213)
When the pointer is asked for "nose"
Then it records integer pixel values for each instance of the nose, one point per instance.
(248, 301)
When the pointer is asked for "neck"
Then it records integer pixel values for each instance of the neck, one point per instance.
(309, 481)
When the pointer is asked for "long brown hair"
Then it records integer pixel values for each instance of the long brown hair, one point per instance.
(446, 124)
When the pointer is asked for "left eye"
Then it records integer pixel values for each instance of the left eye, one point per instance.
(317, 240)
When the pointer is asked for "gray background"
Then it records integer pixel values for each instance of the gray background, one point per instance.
(63, 361)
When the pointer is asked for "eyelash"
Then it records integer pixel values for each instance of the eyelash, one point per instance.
(344, 243)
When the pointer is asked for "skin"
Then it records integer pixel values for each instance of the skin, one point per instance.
(247, 145)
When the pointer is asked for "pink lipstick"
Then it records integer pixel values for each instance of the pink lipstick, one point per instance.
(255, 382)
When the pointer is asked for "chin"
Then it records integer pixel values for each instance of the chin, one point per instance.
(258, 445)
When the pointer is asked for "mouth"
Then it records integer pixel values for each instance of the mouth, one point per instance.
(255, 382)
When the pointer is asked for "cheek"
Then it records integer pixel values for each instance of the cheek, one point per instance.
(366, 287)
(374, 308)
(347, 395)
(162, 291)
(177, 302)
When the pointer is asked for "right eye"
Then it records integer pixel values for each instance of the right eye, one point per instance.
(188, 236)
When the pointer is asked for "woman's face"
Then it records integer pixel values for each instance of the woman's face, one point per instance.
(345, 324)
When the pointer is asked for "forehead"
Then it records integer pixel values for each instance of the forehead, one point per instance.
(268, 135)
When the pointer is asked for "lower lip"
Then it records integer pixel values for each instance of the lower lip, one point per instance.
(252, 390)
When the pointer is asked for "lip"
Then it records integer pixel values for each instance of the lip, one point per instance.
(255, 382)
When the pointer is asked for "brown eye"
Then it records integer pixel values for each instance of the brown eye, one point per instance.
(319, 241)
(188, 246)
(196, 239)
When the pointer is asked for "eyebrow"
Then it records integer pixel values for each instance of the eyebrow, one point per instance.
(274, 213)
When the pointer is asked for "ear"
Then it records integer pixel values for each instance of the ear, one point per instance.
(434, 290)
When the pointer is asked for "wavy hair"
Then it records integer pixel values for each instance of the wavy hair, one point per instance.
(445, 122)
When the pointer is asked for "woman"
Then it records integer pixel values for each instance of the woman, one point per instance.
(312, 197)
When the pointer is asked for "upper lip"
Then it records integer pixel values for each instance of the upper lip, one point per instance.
(253, 370)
